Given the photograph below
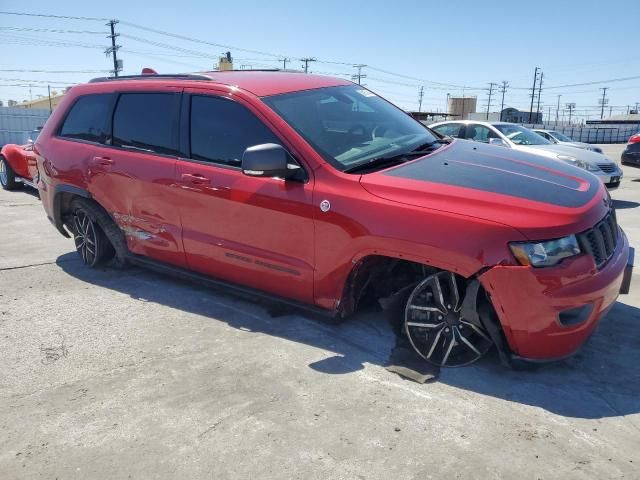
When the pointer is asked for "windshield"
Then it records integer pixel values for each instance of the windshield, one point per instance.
(349, 125)
(560, 137)
(520, 135)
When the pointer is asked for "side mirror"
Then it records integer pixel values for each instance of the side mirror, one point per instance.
(498, 142)
(268, 160)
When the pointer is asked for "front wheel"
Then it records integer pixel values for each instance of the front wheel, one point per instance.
(7, 175)
(436, 326)
(90, 241)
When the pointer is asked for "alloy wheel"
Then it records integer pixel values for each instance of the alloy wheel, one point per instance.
(3, 172)
(436, 326)
(86, 238)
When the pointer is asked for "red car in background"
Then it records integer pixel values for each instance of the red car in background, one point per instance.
(17, 166)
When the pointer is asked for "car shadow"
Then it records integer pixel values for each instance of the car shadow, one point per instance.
(624, 204)
(603, 380)
(25, 189)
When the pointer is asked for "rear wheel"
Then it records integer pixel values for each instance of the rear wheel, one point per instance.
(90, 241)
(436, 327)
(7, 176)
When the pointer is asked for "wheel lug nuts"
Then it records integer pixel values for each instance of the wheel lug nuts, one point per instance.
(448, 306)
(446, 330)
(439, 317)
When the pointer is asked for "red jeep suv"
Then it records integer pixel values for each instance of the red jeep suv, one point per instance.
(317, 192)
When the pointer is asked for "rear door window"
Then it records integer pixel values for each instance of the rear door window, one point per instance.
(147, 122)
(222, 129)
(87, 119)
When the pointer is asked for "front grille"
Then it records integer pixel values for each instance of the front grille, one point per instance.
(600, 241)
(607, 167)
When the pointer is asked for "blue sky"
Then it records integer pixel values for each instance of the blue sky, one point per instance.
(439, 45)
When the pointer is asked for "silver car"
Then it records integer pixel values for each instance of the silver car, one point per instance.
(514, 136)
(561, 139)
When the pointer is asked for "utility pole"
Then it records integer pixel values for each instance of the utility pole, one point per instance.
(306, 62)
(503, 90)
(447, 107)
(570, 107)
(557, 109)
(420, 95)
(357, 77)
(539, 95)
(284, 62)
(603, 101)
(491, 85)
(114, 48)
(50, 106)
(533, 91)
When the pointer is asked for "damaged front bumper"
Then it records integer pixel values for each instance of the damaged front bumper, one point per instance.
(548, 313)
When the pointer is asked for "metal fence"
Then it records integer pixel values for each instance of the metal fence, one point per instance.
(593, 134)
(18, 124)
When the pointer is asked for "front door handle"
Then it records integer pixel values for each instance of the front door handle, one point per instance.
(195, 178)
(102, 161)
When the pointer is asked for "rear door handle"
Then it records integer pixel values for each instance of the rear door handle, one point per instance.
(194, 178)
(102, 161)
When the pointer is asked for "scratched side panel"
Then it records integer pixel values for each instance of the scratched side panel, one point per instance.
(137, 191)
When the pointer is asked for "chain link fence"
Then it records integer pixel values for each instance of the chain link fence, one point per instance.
(591, 134)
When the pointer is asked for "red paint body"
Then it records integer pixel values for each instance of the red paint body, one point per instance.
(271, 234)
(21, 159)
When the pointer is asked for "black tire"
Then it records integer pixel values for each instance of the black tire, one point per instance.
(90, 241)
(115, 245)
(8, 176)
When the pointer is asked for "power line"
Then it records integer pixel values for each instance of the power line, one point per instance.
(24, 14)
(51, 30)
(53, 71)
(195, 40)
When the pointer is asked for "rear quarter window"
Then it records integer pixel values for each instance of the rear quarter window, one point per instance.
(87, 119)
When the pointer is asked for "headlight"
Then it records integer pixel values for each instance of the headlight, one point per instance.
(545, 254)
(579, 163)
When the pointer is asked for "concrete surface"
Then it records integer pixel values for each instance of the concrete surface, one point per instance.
(128, 374)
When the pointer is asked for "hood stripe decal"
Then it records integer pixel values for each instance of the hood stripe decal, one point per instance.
(486, 168)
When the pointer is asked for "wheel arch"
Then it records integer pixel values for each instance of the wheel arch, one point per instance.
(368, 268)
(62, 198)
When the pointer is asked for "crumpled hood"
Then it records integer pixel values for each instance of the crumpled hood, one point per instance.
(552, 151)
(527, 192)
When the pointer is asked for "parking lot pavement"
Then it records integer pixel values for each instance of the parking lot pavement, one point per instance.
(129, 374)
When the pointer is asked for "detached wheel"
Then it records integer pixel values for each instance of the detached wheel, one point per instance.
(91, 243)
(436, 327)
(7, 176)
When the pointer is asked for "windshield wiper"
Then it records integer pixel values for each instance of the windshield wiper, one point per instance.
(383, 162)
(376, 163)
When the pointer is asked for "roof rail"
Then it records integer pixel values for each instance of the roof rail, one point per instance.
(186, 76)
